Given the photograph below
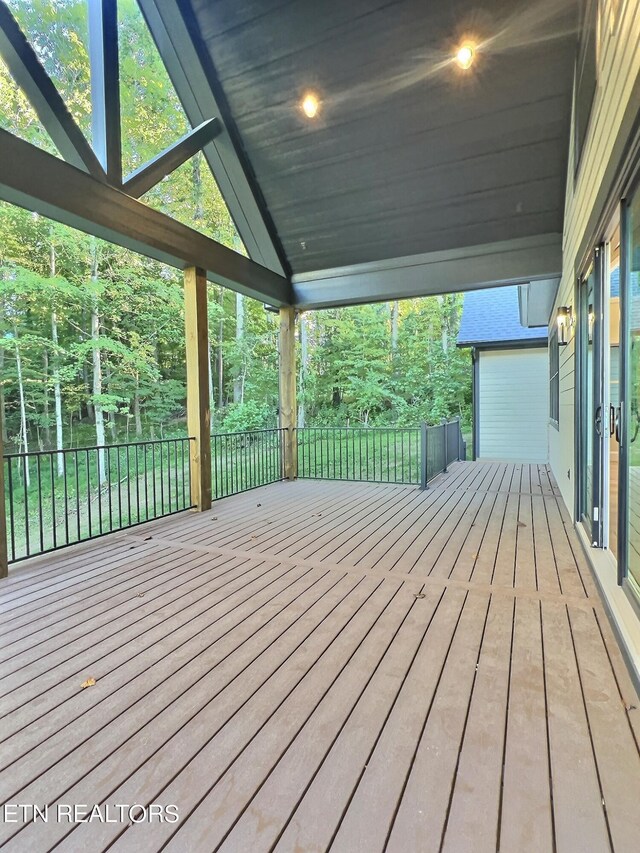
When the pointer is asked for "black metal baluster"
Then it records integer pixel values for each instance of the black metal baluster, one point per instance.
(109, 496)
(146, 483)
(119, 476)
(77, 471)
(89, 518)
(161, 479)
(12, 523)
(100, 461)
(53, 502)
(214, 451)
(66, 497)
(176, 497)
(135, 450)
(40, 513)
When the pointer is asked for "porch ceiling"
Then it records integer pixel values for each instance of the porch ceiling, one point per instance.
(406, 157)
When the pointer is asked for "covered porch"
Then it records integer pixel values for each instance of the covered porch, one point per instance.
(315, 665)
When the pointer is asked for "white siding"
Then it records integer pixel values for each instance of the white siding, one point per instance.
(513, 391)
(618, 68)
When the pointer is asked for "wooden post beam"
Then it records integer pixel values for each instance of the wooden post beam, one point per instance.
(4, 568)
(105, 87)
(150, 174)
(198, 409)
(288, 407)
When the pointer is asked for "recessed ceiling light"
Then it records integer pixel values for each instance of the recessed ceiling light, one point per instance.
(465, 56)
(310, 105)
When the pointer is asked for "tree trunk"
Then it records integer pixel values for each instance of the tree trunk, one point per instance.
(57, 391)
(238, 381)
(304, 365)
(3, 420)
(196, 172)
(212, 396)
(24, 438)
(221, 353)
(45, 368)
(111, 416)
(136, 408)
(444, 325)
(57, 394)
(97, 366)
(395, 311)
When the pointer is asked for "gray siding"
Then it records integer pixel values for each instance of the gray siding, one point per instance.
(513, 396)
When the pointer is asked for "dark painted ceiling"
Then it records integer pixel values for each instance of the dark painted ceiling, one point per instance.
(409, 154)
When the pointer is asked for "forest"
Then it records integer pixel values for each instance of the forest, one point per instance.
(92, 337)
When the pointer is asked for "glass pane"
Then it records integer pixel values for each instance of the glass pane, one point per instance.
(587, 396)
(152, 115)
(18, 116)
(152, 119)
(633, 433)
(58, 31)
(614, 387)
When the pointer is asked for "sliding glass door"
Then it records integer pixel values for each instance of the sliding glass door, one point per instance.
(630, 395)
(611, 331)
(590, 411)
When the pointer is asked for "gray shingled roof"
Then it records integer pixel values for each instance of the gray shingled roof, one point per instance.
(493, 317)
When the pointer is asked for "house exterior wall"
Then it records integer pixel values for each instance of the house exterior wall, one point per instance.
(513, 397)
(614, 110)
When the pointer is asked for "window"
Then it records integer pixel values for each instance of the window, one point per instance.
(554, 377)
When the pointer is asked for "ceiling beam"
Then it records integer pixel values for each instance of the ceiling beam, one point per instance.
(147, 176)
(105, 87)
(28, 72)
(492, 264)
(194, 80)
(31, 178)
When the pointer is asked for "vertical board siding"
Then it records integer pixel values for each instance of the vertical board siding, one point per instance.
(514, 404)
(618, 69)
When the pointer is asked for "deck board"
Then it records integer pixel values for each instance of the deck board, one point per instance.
(320, 665)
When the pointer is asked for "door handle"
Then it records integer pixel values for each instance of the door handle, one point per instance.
(612, 420)
(617, 422)
(598, 421)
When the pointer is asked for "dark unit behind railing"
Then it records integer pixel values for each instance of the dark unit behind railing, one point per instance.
(56, 498)
(440, 446)
(245, 460)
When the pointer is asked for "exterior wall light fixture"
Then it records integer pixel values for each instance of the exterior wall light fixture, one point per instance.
(591, 319)
(565, 321)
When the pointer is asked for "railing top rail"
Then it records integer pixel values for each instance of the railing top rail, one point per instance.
(99, 447)
(248, 432)
(360, 429)
(379, 429)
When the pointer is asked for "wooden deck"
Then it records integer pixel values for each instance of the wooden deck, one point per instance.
(324, 665)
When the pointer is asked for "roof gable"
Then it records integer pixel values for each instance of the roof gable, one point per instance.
(493, 317)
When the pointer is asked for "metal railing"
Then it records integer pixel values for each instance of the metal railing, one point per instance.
(440, 446)
(405, 455)
(246, 460)
(56, 498)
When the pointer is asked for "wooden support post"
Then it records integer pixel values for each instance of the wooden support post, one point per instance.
(4, 569)
(288, 408)
(198, 410)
